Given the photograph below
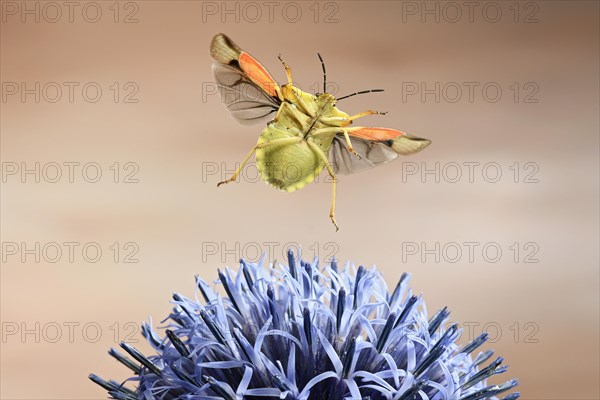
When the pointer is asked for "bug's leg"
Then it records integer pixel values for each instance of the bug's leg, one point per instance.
(324, 158)
(344, 121)
(298, 115)
(336, 130)
(239, 169)
(297, 98)
(288, 70)
(278, 142)
(365, 113)
(349, 144)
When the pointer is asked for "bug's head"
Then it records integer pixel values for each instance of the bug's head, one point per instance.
(326, 98)
(326, 102)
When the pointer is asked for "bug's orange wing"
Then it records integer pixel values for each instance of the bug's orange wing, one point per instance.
(249, 91)
(402, 143)
(377, 146)
(371, 133)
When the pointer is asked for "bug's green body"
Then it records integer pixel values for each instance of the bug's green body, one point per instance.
(308, 122)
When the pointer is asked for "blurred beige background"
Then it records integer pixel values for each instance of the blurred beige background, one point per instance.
(538, 299)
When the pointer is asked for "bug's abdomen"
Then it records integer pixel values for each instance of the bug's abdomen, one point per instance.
(287, 167)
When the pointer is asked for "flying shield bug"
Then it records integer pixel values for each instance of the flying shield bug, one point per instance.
(308, 132)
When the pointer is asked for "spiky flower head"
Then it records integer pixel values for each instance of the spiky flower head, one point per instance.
(298, 332)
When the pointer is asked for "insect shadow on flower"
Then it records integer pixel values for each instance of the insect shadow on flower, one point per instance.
(300, 332)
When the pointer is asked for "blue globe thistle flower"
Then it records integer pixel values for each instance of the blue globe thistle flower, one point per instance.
(298, 332)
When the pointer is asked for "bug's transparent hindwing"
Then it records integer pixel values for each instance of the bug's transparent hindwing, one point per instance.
(373, 152)
(247, 102)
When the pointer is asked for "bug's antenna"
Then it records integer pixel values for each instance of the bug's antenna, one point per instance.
(361, 92)
(324, 74)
